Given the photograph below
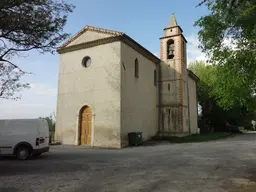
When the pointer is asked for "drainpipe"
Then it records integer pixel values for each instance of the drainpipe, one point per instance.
(197, 108)
(159, 77)
(189, 128)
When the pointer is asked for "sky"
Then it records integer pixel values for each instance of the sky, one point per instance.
(143, 20)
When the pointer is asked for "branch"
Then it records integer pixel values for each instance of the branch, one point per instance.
(11, 4)
(5, 46)
(3, 35)
(15, 66)
(3, 89)
(17, 41)
(20, 50)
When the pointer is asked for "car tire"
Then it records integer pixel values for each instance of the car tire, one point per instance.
(22, 153)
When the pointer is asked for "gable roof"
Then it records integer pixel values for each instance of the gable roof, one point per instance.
(115, 36)
(90, 28)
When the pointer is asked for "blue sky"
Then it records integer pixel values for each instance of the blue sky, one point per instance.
(143, 20)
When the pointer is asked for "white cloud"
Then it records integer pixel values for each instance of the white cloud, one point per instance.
(44, 90)
(39, 100)
(193, 51)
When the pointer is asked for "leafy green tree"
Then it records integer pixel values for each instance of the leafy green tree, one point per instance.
(213, 114)
(205, 89)
(28, 25)
(227, 35)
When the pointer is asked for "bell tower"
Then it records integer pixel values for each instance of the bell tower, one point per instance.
(173, 43)
(174, 83)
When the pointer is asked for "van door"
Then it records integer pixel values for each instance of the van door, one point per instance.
(6, 137)
(43, 134)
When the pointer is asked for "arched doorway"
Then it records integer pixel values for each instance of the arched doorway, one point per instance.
(85, 126)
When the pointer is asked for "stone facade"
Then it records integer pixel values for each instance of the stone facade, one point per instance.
(159, 98)
(138, 95)
(98, 87)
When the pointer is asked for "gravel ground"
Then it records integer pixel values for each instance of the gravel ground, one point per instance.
(216, 166)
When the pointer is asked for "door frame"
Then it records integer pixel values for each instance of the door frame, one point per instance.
(79, 125)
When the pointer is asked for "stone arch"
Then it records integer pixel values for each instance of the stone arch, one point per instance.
(170, 49)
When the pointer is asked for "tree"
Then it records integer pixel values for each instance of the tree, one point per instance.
(227, 36)
(29, 25)
(205, 89)
(10, 82)
(213, 113)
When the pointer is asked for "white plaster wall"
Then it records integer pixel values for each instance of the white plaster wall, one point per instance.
(192, 105)
(138, 96)
(97, 86)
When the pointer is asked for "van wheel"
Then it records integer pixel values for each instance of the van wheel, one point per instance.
(23, 153)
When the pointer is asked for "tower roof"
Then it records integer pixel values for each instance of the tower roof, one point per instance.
(173, 21)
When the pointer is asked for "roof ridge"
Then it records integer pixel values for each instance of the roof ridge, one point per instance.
(90, 28)
(104, 30)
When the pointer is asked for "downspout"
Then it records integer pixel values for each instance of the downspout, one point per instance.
(197, 107)
(189, 128)
(159, 84)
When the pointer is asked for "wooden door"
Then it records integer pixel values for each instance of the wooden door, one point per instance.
(86, 126)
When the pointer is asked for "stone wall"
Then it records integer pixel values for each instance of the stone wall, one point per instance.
(138, 95)
(97, 86)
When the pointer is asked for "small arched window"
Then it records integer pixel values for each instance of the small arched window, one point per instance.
(170, 49)
(136, 68)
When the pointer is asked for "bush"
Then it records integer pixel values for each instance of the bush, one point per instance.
(234, 129)
(248, 126)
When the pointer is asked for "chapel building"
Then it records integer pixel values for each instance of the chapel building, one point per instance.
(110, 85)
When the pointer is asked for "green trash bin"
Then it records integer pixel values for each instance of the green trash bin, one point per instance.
(135, 138)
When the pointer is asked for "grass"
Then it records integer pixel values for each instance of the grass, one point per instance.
(244, 131)
(196, 137)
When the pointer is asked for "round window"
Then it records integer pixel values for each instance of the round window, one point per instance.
(86, 61)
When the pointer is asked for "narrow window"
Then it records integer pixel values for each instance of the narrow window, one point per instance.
(124, 66)
(169, 86)
(155, 78)
(136, 68)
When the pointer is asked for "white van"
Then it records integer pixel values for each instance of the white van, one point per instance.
(24, 137)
